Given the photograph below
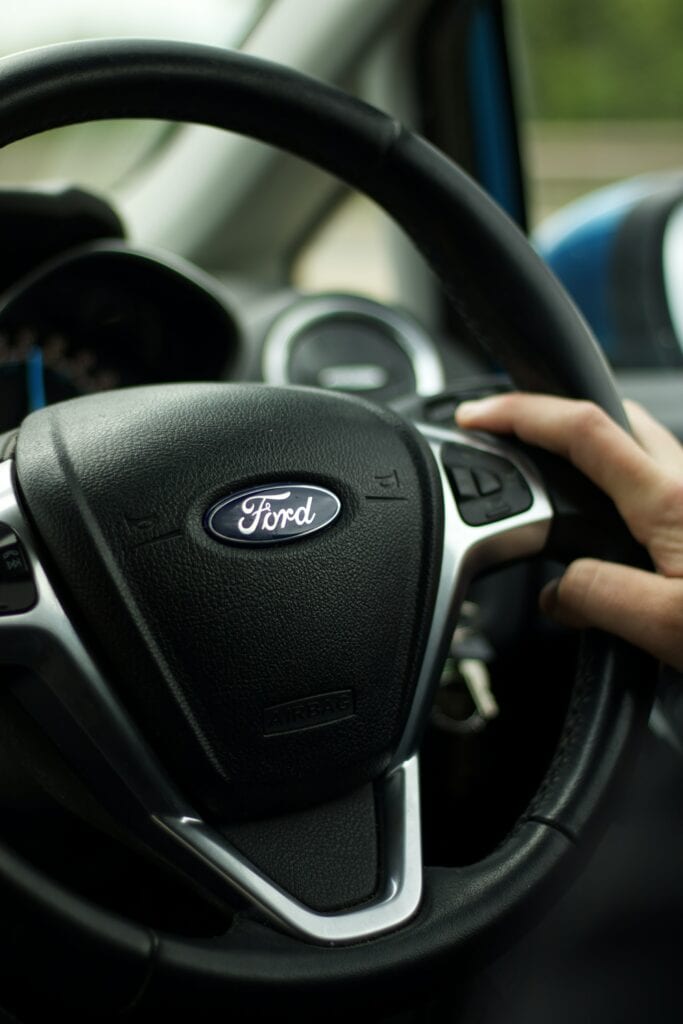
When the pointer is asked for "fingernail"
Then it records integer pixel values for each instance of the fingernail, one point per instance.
(549, 596)
(473, 409)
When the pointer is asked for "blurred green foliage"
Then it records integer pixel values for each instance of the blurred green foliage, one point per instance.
(603, 58)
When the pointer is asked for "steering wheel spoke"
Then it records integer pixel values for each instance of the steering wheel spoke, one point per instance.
(496, 510)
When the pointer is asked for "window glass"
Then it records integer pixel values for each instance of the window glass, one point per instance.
(101, 154)
(350, 253)
(601, 96)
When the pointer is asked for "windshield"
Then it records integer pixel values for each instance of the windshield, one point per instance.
(100, 155)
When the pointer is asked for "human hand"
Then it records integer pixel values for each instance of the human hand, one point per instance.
(644, 478)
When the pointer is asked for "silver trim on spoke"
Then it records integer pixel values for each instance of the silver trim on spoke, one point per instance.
(43, 640)
(400, 800)
(468, 550)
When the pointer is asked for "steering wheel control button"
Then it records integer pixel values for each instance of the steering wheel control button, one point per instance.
(14, 567)
(487, 482)
(487, 487)
(463, 481)
(17, 589)
(272, 514)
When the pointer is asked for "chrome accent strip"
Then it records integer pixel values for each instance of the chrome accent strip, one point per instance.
(408, 335)
(403, 870)
(44, 640)
(468, 550)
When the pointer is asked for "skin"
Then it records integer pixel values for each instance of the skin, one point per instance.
(644, 477)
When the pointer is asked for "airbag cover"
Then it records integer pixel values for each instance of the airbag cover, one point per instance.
(265, 676)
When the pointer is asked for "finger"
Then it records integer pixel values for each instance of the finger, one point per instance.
(588, 437)
(659, 442)
(639, 606)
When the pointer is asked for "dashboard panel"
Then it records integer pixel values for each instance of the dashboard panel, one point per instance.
(104, 316)
(107, 314)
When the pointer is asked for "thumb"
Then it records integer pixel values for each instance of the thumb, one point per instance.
(641, 607)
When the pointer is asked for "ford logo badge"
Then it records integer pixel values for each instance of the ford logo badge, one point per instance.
(272, 514)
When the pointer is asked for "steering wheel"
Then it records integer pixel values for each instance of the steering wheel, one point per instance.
(231, 603)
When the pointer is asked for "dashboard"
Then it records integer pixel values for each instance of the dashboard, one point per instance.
(103, 316)
(89, 313)
(106, 315)
(82, 310)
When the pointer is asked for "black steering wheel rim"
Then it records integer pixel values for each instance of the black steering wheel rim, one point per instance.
(468, 241)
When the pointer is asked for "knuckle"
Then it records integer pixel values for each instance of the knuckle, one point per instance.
(589, 419)
(670, 500)
(657, 511)
(632, 406)
(656, 520)
(588, 422)
(509, 401)
(578, 581)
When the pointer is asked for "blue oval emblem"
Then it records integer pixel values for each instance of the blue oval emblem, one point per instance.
(272, 514)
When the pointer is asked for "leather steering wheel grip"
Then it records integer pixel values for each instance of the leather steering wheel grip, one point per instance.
(532, 328)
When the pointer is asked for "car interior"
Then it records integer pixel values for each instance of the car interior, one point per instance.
(282, 729)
